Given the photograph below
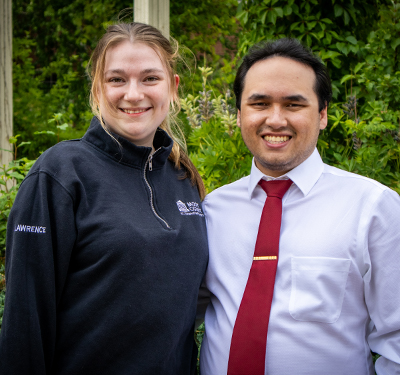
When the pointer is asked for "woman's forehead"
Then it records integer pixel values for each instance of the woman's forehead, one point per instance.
(134, 54)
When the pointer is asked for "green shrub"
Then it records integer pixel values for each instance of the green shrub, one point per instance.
(11, 177)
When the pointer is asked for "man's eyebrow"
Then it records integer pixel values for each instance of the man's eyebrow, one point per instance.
(293, 98)
(255, 97)
(145, 71)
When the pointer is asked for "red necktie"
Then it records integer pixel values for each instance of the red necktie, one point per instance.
(249, 338)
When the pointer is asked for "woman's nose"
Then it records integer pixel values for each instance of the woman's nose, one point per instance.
(133, 92)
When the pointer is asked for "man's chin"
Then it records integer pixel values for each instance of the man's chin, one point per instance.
(274, 167)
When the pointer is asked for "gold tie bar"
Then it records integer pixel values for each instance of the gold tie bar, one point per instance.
(273, 257)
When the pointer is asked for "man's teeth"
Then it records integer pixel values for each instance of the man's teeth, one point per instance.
(131, 112)
(274, 139)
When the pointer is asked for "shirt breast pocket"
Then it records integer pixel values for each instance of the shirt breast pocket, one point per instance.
(318, 287)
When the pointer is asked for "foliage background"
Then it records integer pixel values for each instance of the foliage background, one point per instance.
(358, 40)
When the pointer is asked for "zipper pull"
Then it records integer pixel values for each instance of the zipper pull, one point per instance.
(150, 162)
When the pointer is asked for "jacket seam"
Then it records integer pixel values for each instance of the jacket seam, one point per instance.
(53, 178)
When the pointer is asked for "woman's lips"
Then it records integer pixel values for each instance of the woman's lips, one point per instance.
(134, 111)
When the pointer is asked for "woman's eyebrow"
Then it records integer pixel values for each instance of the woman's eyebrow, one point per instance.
(145, 71)
(152, 70)
(114, 71)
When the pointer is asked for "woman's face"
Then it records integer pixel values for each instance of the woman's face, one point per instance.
(136, 84)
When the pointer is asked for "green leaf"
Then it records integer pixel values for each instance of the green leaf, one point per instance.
(240, 7)
(271, 16)
(44, 132)
(337, 63)
(338, 10)
(395, 43)
(62, 127)
(294, 25)
(279, 11)
(287, 10)
(359, 66)
(352, 40)
(329, 54)
(24, 144)
(263, 16)
(16, 175)
(243, 17)
(311, 25)
(346, 17)
(13, 140)
(337, 156)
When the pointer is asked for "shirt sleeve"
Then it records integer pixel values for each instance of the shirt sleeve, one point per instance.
(40, 238)
(382, 282)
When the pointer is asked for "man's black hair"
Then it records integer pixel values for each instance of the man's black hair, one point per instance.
(291, 49)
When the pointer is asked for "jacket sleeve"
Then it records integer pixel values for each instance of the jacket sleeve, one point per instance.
(382, 282)
(40, 237)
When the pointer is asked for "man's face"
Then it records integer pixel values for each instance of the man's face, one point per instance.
(279, 116)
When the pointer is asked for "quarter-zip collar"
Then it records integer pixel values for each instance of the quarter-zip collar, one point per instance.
(126, 152)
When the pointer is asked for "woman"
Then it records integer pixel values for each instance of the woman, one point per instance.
(106, 239)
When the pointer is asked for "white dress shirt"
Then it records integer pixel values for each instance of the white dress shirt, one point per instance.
(336, 291)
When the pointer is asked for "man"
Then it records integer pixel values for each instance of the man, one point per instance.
(335, 294)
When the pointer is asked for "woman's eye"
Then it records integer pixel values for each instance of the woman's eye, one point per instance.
(115, 80)
(151, 79)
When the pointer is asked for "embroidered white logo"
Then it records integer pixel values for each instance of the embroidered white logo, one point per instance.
(190, 208)
(30, 228)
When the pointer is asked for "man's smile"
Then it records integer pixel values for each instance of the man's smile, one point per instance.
(274, 139)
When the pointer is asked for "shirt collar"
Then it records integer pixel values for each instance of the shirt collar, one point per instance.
(304, 176)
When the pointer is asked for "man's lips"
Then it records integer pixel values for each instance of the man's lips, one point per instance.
(132, 111)
(276, 139)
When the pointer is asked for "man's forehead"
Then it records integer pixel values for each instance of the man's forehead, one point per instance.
(278, 73)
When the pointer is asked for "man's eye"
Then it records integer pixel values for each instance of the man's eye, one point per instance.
(294, 105)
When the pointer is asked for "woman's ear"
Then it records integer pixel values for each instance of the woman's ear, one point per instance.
(177, 81)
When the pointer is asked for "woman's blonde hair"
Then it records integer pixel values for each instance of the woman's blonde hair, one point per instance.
(169, 54)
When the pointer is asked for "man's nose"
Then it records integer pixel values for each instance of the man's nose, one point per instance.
(133, 93)
(275, 117)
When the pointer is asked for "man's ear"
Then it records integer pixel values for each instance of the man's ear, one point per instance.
(323, 118)
(238, 118)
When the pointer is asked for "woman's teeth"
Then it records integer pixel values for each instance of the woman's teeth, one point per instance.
(129, 111)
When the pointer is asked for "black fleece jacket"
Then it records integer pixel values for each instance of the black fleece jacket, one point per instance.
(106, 250)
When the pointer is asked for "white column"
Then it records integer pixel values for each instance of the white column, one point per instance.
(153, 12)
(6, 96)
